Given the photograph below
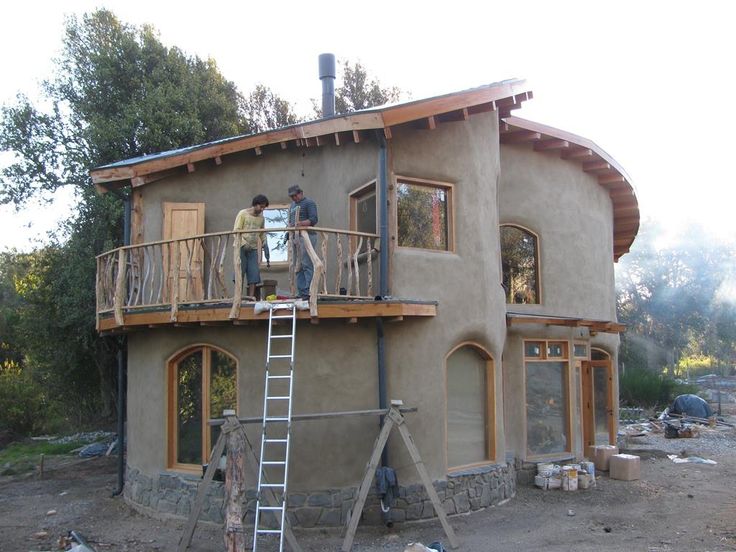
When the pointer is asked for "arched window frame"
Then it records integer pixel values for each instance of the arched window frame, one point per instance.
(490, 396)
(171, 403)
(537, 257)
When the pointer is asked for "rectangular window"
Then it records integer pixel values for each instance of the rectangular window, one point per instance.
(580, 350)
(547, 398)
(276, 216)
(424, 215)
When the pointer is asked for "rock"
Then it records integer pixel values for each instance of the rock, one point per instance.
(571, 513)
(51, 513)
(41, 535)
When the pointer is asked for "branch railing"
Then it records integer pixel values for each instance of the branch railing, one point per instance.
(206, 269)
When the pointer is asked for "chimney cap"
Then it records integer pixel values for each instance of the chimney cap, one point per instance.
(327, 66)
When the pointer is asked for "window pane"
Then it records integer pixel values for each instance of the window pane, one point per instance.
(556, 350)
(277, 218)
(422, 216)
(581, 351)
(546, 407)
(519, 265)
(600, 400)
(533, 349)
(466, 408)
(223, 388)
(189, 409)
(365, 212)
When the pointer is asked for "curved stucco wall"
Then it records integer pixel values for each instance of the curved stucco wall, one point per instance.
(573, 217)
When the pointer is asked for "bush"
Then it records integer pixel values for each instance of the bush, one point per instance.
(644, 388)
(21, 401)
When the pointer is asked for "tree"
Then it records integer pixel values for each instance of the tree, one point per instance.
(118, 93)
(264, 110)
(359, 90)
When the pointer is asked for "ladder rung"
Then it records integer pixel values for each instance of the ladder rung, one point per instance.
(270, 507)
(285, 336)
(278, 398)
(279, 377)
(272, 485)
(275, 440)
(273, 463)
(269, 531)
(277, 419)
(279, 356)
(280, 316)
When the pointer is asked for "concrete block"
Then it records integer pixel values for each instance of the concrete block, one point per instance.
(625, 467)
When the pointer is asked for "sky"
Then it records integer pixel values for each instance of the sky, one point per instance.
(651, 82)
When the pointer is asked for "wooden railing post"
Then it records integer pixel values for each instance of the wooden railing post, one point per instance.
(238, 291)
(319, 269)
(120, 288)
(175, 281)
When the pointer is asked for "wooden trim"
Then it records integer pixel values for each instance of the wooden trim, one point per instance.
(137, 232)
(450, 191)
(538, 253)
(491, 419)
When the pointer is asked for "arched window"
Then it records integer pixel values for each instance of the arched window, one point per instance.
(202, 382)
(520, 265)
(470, 406)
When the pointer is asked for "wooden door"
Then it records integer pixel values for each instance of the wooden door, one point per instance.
(182, 220)
(598, 423)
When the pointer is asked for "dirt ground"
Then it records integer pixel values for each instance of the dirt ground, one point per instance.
(674, 507)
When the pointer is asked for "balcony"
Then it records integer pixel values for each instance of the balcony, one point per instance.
(197, 281)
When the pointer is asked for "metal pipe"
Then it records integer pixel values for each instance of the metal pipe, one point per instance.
(327, 73)
(122, 358)
(383, 280)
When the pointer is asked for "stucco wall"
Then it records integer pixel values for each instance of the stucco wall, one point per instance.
(466, 283)
(573, 217)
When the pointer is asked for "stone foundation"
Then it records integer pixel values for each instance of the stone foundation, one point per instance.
(172, 495)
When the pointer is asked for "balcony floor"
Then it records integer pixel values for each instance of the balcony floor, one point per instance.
(218, 314)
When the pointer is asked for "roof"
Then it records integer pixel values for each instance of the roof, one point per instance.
(593, 160)
(502, 97)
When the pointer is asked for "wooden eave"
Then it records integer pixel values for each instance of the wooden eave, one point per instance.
(502, 97)
(594, 161)
(604, 326)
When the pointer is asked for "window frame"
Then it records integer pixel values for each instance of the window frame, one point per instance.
(566, 359)
(449, 190)
(537, 260)
(171, 403)
(490, 404)
(355, 196)
(262, 258)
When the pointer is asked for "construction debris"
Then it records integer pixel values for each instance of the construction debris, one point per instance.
(691, 460)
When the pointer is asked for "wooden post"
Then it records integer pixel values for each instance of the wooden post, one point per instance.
(238, 291)
(175, 282)
(319, 269)
(234, 488)
(120, 288)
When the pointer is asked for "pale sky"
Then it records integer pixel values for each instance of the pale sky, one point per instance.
(651, 82)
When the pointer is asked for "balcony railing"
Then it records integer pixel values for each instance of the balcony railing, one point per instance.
(205, 269)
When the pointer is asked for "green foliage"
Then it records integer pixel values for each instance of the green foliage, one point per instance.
(23, 456)
(264, 110)
(645, 388)
(21, 401)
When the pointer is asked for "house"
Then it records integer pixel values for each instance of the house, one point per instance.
(490, 241)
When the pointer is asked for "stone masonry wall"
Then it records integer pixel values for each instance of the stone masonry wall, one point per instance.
(172, 495)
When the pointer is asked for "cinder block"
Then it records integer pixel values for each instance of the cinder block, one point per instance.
(602, 455)
(625, 467)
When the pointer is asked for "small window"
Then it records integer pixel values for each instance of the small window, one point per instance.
(202, 383)
(276, 216)
(533, 349)
(520, 267)
(580, 350)
(557, 349)
(424, 215)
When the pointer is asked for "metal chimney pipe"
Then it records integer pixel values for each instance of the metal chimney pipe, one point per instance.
(327, 76)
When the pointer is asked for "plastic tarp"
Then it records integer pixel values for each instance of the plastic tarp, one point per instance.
(691, 405)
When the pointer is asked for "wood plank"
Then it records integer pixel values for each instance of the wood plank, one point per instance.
(356, 136)
(578, 153)
(258, 151)
(431, 123)
(337, 138)
(218, 160)
(190, 167)
(551, 144)
(597, 166)
(147, 179)
(387, 133)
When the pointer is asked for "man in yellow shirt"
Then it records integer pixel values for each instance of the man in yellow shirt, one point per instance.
(252, 219)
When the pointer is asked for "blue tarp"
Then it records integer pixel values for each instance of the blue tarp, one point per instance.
(691, 405)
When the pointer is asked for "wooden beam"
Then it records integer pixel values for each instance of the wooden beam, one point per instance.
(356, 136)
(431, 123)
(604, 180)
(553, 144)
(597, 166)
(190, 167)
(466, 115)
(147, 179)
(387, 133)
(258, 150)
(578, 153)
(284, 145)
(320, 141)
(520, 136)
(337, 138)
(218, 160)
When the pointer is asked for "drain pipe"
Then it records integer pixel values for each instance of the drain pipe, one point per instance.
(122, 358)
(383, 279)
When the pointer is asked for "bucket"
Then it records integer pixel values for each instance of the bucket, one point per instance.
(545, 470)
(569, 478)
(268, 287)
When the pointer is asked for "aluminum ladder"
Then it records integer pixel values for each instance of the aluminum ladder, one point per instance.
(276, 430)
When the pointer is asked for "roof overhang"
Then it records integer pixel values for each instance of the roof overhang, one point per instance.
(503, 97)
(593, 160)
(605, 326)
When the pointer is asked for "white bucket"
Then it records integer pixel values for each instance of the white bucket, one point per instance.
(545, 469)
(569, 478)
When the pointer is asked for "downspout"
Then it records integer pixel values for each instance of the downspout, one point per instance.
(122, 358)
(383, 279)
